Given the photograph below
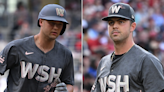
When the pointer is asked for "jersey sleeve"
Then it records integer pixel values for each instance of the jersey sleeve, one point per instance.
(8, 56)
(67, 75)
(152, 74)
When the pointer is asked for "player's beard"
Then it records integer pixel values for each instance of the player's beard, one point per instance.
(52, 37)
(121, 37)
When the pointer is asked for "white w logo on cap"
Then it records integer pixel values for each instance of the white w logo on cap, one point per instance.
(115, 9)
(60, 12)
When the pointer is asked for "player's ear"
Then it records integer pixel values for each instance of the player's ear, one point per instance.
(133, 26)
(40, 22)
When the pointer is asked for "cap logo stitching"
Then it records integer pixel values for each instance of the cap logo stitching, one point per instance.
(116, 9)
(60, 12)
(132, 17)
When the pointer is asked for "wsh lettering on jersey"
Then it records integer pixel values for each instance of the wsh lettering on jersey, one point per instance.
(114, 87)
(41, 70)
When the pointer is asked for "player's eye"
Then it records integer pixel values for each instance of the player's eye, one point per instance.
(55, 24)
(51, 23)
(121, 22)
(111, 23)
(59, 24)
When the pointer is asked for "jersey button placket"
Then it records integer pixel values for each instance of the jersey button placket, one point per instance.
(44, 58)
(43, 62)
(112, 67)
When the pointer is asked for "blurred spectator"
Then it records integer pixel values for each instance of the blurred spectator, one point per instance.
(105, 11)
(24, 31)
(93, 66)
(98, 5)
(20, 16)
(143, 39)
(88, 82)
(78, 43)
(93, 31)
(157, 17)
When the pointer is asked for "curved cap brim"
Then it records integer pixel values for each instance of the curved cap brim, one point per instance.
(55, 18)
(111, 16)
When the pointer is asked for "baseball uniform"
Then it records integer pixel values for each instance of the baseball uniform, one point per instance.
(131, 72)
(32, 70)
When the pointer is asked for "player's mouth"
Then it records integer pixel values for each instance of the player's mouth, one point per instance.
(54, 33)
(115, 32)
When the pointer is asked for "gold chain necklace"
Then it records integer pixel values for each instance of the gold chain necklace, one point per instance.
(112, 56)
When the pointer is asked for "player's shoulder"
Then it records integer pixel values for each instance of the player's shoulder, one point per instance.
(104, 66)
(14, 45)
(19, 42)
(137, 49)
(62, 48)
(142, 52)
(147, 58)
(105, 59)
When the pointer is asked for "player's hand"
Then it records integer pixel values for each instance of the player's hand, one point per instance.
(61, 87)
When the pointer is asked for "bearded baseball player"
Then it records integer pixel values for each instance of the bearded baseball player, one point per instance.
(39, 63)
(129, 68)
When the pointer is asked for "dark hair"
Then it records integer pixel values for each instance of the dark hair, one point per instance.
(131, 22)
(20, 4)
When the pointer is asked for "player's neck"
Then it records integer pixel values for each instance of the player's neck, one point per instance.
(44, 44)
(121, 48)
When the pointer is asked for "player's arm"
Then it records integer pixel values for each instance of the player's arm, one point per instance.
(8, 58)
(67, 77)
(70, 88)
(152, 75)
(70, 78)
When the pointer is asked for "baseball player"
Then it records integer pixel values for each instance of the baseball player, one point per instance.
(39, 63)
(129, 68)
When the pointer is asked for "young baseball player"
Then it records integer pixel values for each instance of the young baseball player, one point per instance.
(39, 63)
(129, 68)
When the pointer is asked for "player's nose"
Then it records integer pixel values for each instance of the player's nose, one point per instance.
(115, 25)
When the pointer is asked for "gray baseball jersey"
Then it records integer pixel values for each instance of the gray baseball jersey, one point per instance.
(32, 70)
(134, 71)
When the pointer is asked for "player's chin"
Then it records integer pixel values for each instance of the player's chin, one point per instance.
(115, 39)
(53, 37)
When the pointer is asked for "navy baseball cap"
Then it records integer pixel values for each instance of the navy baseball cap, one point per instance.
(121, 10)
(53, 12)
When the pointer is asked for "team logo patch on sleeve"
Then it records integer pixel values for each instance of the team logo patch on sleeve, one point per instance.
(2, 59)
(60, 12)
